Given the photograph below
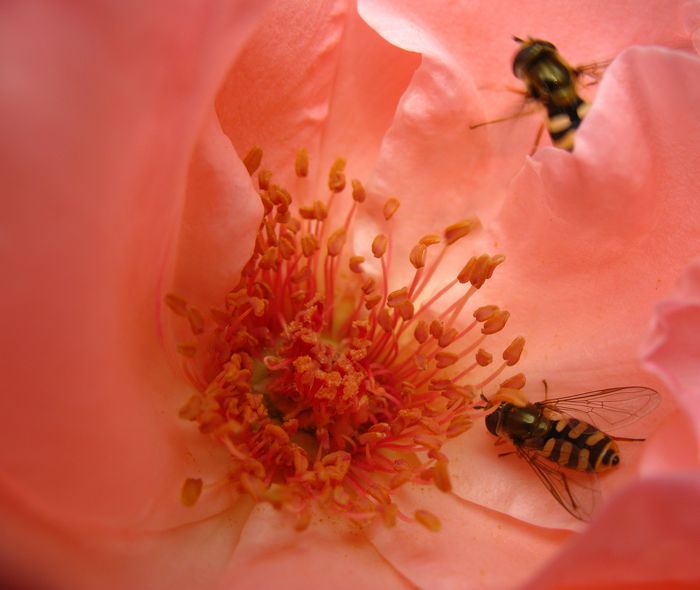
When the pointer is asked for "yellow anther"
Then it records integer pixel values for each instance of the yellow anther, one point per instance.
(428, 520)
(321, 210)
(301, 163)
(512, 354)
(396, 298)
(447, 337)
(389, 513)
(441, 476)
(336, 241)
(384, 320)
(287, 247)
(176, 304)
(485, 312)
(252, 159)
(421, 332)
(187, 350)
(430, 240)
(283, 216)
(483, 357)
(268, 205)
(436, 328)
(514, 382)
(309, 245)
(406, 310)
(270, 233)
(477, 270)
(336, 176)
(307, 212)
(368, 286)
(355, 262)
(460, 229)
(390, 207)
(194, 317)
(372, 300)
(495, 323)
(379, 245)
(358, 191)
(259, 306)
(269, 259)
(445, 359)
(510, 396)
(417, 255)
(191, 490)
(264, 178)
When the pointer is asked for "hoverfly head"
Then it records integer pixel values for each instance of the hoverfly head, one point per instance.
(494, 420)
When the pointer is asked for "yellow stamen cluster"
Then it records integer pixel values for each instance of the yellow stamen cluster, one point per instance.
(327, 387)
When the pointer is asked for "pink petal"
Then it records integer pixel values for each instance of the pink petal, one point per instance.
(691, 17)
(103, 106)
(475, 548)
(672, 348)
(315, 78)
(329, 554)
(179, 558)
(646, 538)
(673, 448)
(463, 78)
(600, 234)
(594, 238)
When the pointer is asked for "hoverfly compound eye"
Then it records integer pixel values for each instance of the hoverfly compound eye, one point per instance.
(492, 421)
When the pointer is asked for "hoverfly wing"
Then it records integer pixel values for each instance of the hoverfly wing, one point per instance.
(607, 409)
(576, 491)
(593, 70)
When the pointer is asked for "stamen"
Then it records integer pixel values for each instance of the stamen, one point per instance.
(301, 165)
(191, 490)
(428, 520)
(326, 387)
(336, 177)
(390, 207)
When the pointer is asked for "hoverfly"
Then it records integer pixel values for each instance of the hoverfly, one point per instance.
(564, 440)
(550, 80)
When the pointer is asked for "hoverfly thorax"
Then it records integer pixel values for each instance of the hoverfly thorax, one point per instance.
(547, 76)
(516, 422)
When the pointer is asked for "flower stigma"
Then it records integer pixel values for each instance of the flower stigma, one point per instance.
(328, 387)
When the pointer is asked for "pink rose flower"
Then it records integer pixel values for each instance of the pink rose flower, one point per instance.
(125, 130)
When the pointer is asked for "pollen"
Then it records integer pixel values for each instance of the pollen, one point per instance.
(329, 386)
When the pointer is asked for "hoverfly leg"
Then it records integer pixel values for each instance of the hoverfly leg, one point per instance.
(500, 441)
(518, 91)
(546, 389)
(623, 439)
(537, 140)
(525, 113)
(506, 454)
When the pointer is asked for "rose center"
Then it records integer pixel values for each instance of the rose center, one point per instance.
(327, 388)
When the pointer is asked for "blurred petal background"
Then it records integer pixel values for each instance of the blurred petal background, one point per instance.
(123, 128)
